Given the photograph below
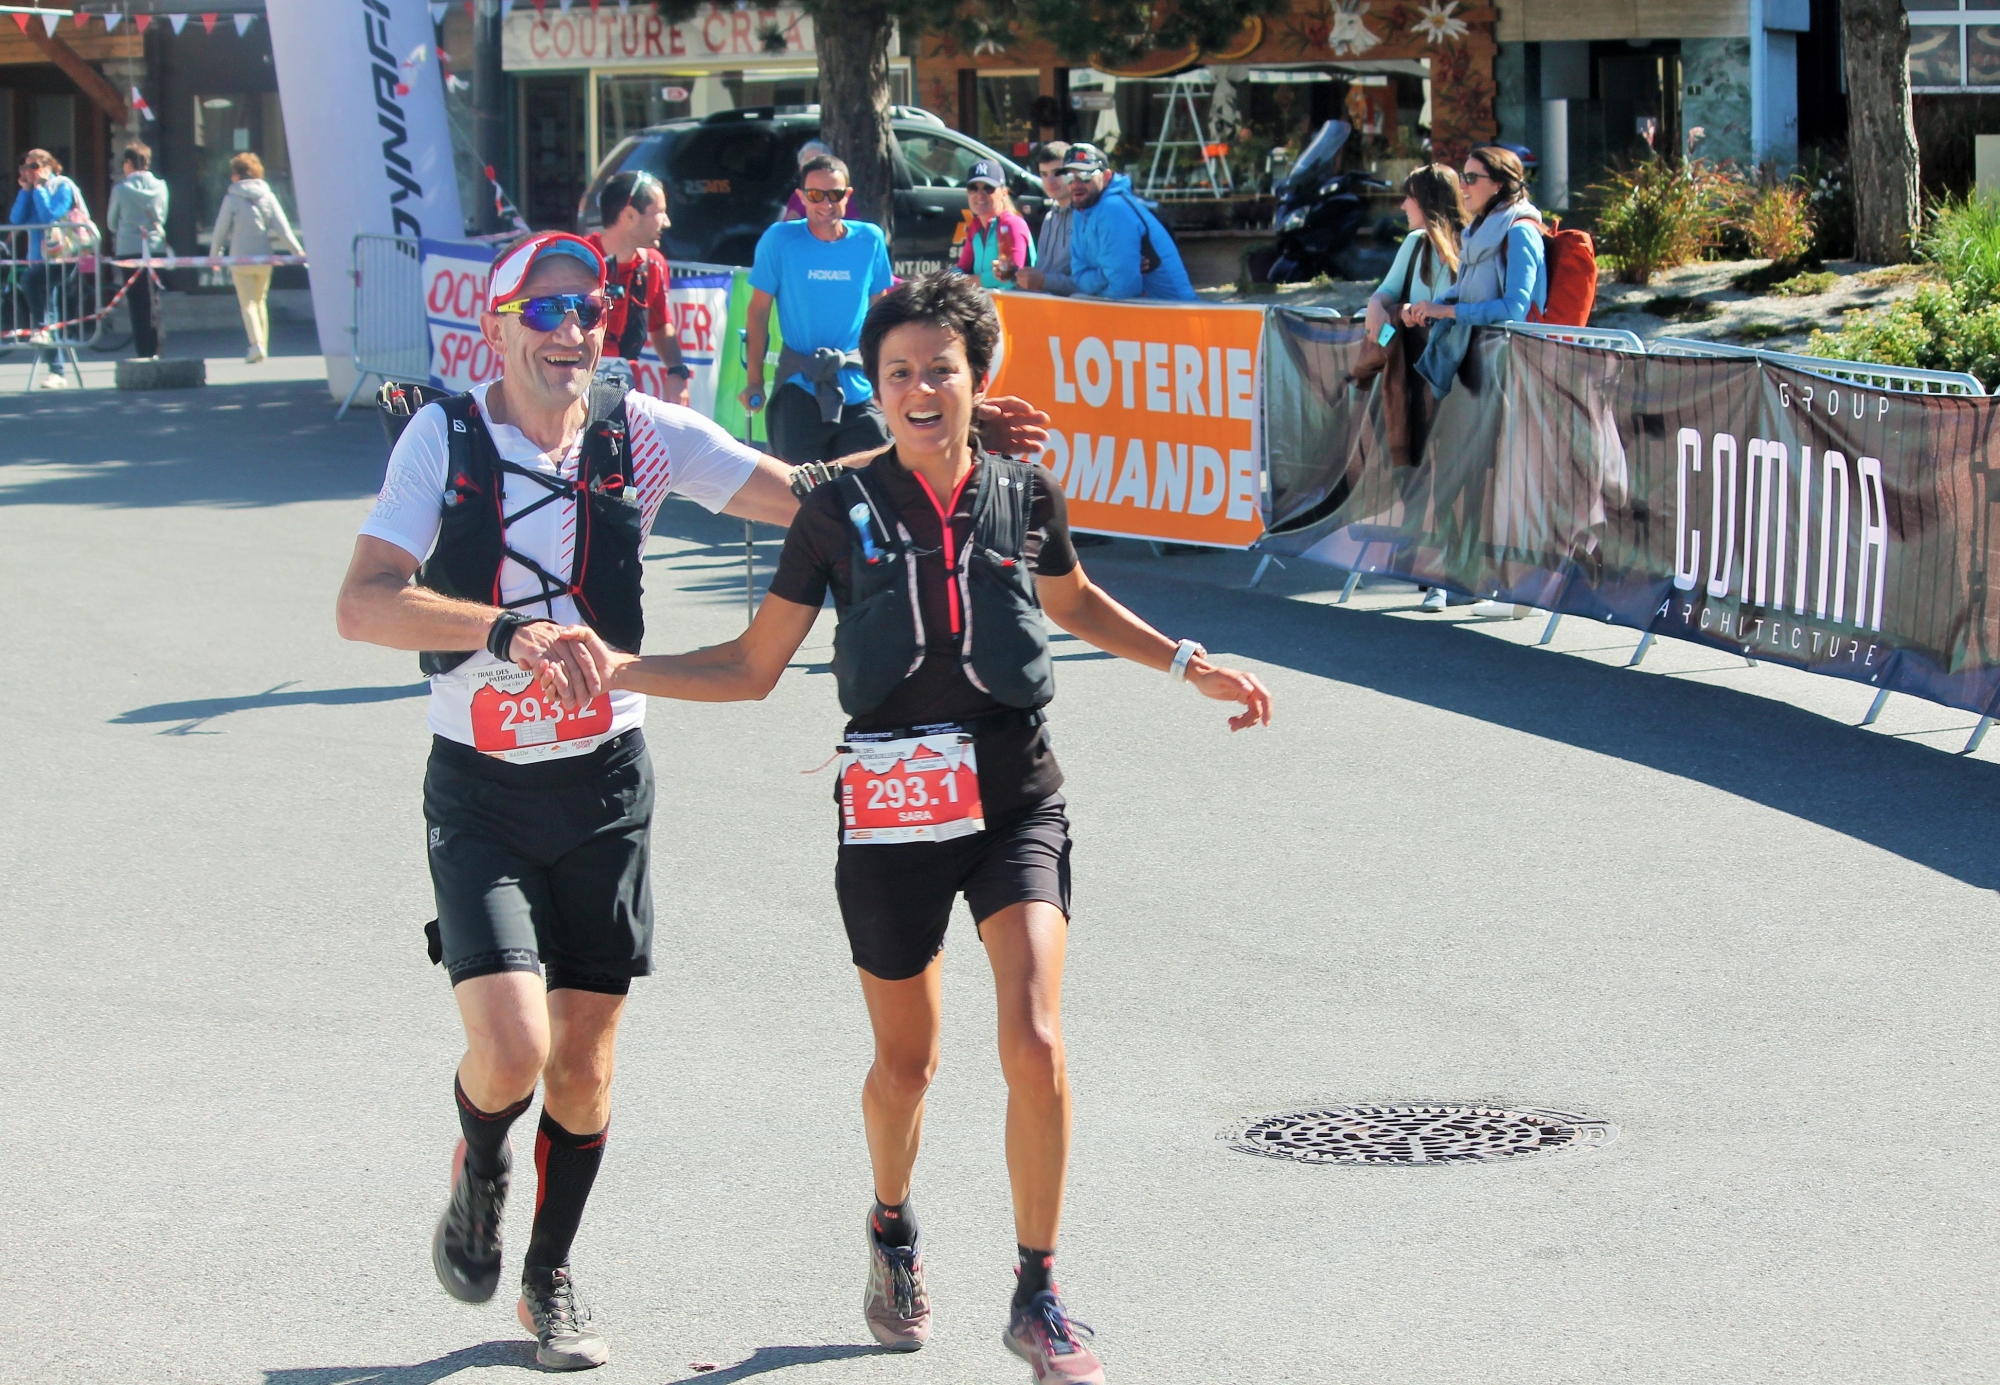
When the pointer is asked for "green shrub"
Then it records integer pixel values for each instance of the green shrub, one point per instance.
(1775, 219)
(1931, 330)
(1962, 238)
(1806, 285)
(1762, 331)
(1656, 214)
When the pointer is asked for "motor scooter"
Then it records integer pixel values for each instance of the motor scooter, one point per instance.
(1320, 212)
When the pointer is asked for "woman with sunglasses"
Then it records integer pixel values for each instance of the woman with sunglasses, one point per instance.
(1503, 269)
(942, 561)
(997, 239)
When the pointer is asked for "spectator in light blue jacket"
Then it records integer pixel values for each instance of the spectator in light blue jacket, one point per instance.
(1503, 271)
(1110, 235)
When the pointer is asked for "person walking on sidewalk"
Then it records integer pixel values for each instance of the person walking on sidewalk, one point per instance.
(137, 221)
(251, 222)
(822, 273)
(942, 560)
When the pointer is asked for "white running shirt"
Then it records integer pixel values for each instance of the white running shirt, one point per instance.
(672, 449)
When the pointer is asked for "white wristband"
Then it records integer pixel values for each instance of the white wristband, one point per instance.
(1187, 650)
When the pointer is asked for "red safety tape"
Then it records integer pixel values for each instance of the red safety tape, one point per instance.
(23, 333)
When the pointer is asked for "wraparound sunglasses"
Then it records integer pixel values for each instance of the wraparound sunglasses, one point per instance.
(546, 312)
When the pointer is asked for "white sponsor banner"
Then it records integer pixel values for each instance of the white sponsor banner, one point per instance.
(454, 277)
(370, 147)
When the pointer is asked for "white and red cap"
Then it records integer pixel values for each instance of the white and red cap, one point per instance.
(510, 275)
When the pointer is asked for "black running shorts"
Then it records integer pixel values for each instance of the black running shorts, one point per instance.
(896, 899)
(543, 863)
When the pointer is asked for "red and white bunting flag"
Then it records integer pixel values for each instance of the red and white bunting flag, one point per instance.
(178, 21)
(49, 22)
(139, 105)
(21, 22)
(437, 12)
(208, 22)
(111, 21)
(243, 23)
(142, 22)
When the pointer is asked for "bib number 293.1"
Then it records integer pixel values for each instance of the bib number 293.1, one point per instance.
(923, 789)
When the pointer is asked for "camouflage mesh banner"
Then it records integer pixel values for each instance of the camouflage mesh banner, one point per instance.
(1793, 518)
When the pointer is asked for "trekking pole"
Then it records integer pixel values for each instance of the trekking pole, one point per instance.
(749, 527)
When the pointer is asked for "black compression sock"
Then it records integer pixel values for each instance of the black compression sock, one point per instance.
(565, 1167)
(485, 1133)
(894, 1226)
(1038, 1272)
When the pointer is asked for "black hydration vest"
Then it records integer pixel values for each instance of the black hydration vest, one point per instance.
(632, 340)
(472, 541)
(880, 640)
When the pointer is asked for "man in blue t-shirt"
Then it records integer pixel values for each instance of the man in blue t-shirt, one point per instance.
(823, 272)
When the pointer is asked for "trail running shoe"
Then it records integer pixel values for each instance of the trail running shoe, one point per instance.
(897, 1305)
(548, 1308)
(465, 1248)
(1044, 1335)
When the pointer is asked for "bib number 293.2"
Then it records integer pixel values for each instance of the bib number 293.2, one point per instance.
(508, 715)
(923, 789)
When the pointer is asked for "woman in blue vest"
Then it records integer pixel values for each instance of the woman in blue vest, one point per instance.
(942, 561)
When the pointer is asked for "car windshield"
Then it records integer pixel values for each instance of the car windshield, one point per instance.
(649, 153)
(757, 159)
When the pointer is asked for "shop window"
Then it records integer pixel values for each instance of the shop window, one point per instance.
(1956, 55)
(52, 126)
(552, 134)
(1006, 110)
(1982, 55)
(1934, 55)
(627, 105)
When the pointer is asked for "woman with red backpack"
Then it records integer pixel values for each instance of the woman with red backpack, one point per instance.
(1503, 274)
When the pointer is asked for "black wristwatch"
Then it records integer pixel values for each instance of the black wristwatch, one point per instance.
(500, 634)
(681, 370)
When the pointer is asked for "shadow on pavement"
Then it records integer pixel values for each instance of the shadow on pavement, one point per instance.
(230, 445)
(1934, 809)
(495, 1353)
(208, 708)
(767, 1359)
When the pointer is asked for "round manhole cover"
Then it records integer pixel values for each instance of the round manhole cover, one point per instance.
(1420, 1133)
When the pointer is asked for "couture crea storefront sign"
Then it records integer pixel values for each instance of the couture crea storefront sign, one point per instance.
(717, 36)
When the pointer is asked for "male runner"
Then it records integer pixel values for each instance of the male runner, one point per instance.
(539, 804)
(632, 207)
(822, 272)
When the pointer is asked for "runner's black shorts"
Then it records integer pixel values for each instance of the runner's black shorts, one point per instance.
(543, 863)
(896, 898)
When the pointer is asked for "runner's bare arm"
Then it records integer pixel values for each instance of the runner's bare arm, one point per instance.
(378, 604)
(1081, 607)
(766, 495)
(743, 670)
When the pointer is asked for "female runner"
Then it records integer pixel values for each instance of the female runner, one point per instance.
(942, 561)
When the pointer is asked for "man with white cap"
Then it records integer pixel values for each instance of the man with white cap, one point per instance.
(521, 509)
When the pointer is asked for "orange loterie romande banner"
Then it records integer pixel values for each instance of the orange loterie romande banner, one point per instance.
(1154, 409)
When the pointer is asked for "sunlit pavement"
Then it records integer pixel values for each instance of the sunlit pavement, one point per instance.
(1694, 899)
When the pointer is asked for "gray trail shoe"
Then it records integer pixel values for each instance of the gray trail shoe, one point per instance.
(897, 1305)
(563, 1337)
(465, 1248)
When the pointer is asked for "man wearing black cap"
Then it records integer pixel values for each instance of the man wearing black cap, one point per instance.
(1119, 248)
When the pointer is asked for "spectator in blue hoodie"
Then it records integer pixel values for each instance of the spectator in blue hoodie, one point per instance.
(1112, 234)
(45, 199)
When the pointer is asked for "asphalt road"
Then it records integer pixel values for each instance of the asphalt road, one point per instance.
(1694, 900)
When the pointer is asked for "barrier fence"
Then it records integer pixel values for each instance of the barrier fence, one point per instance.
(391, 341)
(50, 295)
(1830, 515)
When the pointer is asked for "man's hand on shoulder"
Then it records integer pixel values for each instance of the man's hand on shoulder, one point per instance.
(1011, 426)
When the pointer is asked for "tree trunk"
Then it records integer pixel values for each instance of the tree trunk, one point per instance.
(1881, 137)
(853, 38)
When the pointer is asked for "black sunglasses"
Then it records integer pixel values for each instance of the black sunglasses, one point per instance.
(546, 312)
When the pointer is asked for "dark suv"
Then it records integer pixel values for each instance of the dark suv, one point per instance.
(728, 177)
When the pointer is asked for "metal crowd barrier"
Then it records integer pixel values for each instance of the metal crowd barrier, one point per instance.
(1895, 378)
(1603, 338)
(52, 303)
(392, 338)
